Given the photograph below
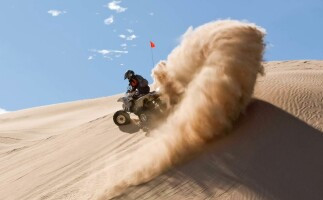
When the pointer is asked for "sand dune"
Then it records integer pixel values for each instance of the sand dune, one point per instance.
(296, 87)
(217, 141)
(274, 151)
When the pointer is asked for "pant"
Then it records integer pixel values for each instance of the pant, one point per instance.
(141, 91)
(144, 90)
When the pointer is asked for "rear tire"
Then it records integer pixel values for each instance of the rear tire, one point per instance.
(121, 118)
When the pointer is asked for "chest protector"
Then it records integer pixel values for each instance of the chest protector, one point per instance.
(133, 82)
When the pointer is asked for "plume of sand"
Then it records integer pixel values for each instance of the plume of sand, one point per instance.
(208, 80)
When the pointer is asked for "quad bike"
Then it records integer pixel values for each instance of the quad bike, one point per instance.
(146, 107)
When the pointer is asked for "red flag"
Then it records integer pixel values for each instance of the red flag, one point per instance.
(152, 45)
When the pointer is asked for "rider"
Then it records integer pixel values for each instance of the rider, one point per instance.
(138, 83)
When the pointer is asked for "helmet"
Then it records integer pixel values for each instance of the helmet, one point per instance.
(129, 74)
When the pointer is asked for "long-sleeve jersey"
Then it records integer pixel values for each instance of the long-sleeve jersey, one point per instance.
(138, 82)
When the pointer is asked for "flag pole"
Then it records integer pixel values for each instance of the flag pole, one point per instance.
(152, 57)
(152, 45)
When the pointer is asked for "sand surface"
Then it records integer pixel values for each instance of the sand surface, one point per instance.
(274, 152)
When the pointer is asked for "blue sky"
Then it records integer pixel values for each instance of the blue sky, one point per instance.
(54, 51)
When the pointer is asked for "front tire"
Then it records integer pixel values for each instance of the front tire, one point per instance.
(143, 117)
(121, 118)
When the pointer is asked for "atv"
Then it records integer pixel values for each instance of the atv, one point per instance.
(146, 107)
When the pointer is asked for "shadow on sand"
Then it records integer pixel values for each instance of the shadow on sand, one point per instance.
(131, 128)
(270, 154)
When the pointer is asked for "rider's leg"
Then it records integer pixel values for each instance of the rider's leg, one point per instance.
(143, 90)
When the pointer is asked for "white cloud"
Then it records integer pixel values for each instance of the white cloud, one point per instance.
(103, 51)
(114, 5)
(130, 30)
(3, 111)
(106, 52)
(121, 64)
(131, 37)
(56, 13)
(109, 20)
(124, 46)
(117, 51)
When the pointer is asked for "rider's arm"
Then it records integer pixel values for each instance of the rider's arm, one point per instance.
(132, 89)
